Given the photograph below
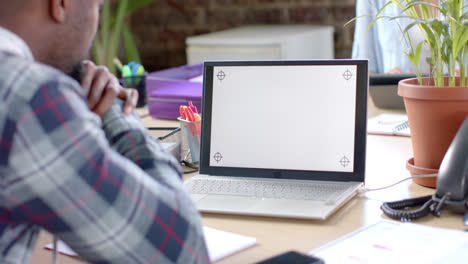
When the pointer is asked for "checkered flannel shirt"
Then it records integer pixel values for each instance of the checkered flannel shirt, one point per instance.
(104, 186)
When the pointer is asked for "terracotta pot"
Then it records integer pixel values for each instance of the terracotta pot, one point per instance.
(435, 115)
(415, 170)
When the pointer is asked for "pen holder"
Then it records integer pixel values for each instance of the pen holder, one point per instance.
(190, 140)
(139, 83)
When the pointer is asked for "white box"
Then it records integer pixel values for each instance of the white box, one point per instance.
(263, 42)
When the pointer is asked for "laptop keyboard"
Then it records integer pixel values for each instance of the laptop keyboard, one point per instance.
(266, 189)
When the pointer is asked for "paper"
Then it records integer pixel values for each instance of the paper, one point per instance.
(220, 244)
(396, 242)
(389, 124)
(62, 248)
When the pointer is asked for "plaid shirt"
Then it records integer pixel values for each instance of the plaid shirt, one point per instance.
(105, 187)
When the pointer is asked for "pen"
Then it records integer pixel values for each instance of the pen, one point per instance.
(198, 125)
(118, 64)
(194, 117)
(182, 112)
(189, 113)
(194, 108)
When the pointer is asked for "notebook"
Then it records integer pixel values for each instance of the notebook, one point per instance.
(281, 138)
(389, 124)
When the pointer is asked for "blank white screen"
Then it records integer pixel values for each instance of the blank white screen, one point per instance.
(284, 117)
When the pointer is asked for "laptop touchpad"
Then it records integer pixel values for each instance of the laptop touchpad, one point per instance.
(227, 202)
(197, 197)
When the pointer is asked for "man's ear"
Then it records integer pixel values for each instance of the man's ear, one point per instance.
(57, 10)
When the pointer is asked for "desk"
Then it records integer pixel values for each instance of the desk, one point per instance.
(386, 158)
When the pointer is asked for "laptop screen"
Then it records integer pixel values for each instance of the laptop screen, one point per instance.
(302, 119)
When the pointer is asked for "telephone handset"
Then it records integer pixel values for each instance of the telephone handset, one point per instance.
(452, 179)
(452, 185)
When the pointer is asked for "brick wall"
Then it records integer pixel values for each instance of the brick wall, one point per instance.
(161, 28)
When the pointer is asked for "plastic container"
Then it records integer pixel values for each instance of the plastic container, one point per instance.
(139, 83)
(191, 135)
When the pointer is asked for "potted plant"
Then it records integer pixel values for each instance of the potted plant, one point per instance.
(438, 104)
(114, 33)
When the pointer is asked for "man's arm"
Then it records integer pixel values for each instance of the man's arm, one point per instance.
(125, 133)
(107, 207)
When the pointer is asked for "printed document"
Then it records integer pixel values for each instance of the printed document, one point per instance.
(394, 242)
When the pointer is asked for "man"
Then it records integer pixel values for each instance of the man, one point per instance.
(96, 180)
(383, 43)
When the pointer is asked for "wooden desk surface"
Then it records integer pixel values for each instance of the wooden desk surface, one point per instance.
(386, 158)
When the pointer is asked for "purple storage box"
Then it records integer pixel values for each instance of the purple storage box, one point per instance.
(168, 89)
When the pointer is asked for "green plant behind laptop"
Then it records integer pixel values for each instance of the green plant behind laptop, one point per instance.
(114, 32)
(445, 30)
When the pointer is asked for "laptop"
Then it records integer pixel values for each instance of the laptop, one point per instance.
(281, 138)
(383, 89)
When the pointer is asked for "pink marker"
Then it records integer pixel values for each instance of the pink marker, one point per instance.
(192, 107)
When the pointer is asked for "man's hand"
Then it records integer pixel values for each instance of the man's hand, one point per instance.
(102, 88)
(395, 70)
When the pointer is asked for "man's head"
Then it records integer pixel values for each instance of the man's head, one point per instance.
(59, 32)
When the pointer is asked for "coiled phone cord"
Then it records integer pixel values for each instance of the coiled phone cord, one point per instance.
(400, 210)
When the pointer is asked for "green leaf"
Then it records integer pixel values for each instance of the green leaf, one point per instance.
(115, 36)
(104, 26)
(130, 45)
(461, 41)
(98, 53)
(429, 35)
(418, 49)
(464, 16)
(354, 19)
(131, 7)
(377, 16)
(136, 4)
(411, 25)
(413, 56)
(437, 26)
